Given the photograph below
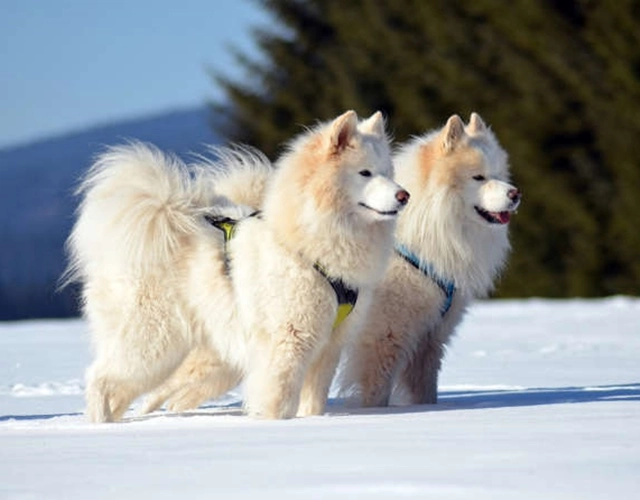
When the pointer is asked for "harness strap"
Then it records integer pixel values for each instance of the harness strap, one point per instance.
(226, 224)
(448, 287)
(347, 296)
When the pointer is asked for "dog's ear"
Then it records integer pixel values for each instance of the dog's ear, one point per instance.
(476, 124)
(342, 131)
(374, 124)
(453, 133)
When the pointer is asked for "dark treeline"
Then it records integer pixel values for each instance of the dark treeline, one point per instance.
(558, 81)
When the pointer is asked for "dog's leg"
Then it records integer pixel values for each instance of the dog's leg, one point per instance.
(375, 363)
(317, 382)
(121, 398)
(420, 376)
(123, 371)
(97, 396)
(158, 397)
(211, 384)
(200, 377)
(217, 383)
(375, 387)
(276, 374)
(108, 396)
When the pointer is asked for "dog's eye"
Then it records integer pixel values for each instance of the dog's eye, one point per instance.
(365, 173)
(479, 178)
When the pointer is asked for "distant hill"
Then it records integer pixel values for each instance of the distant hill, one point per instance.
(37, 203)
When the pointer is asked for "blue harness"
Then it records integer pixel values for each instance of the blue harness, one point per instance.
(448, 287)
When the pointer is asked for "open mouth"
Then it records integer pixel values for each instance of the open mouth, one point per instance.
(494, 217)
(389, 213)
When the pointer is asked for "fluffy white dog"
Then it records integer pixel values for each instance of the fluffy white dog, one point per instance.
(162, 276)
(451, 244)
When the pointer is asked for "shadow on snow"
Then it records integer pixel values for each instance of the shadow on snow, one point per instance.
(476, 399)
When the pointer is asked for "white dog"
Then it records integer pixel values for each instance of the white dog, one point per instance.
(451, 243)
(161, 275)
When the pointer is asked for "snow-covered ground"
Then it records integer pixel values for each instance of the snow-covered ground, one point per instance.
(539, 399)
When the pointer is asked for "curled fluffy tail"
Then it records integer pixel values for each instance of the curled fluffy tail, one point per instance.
(138, 204)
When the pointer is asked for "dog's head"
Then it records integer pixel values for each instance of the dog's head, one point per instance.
(489, 191)
(466, 167)
(363, 159)
(344, 167)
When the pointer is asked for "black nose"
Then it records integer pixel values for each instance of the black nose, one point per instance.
(514, 194)
(402, 196)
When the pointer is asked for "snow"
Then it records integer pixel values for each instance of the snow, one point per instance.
(539, 399)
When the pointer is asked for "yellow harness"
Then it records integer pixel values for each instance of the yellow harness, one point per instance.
(345, 295)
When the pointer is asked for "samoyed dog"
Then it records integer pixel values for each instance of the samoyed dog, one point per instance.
(168, 265)
(451, 244)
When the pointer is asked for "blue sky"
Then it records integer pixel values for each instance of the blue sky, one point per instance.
(68, 64)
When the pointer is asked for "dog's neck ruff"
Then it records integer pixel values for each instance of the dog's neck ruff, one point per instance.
(448, 287)
(346, 296)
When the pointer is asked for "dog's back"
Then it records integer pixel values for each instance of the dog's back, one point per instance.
(239, 173)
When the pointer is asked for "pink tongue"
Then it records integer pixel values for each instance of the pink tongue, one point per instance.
(503, 217)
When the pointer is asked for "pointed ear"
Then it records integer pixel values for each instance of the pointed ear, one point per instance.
(452, 133)
(374, 124)
(476, 124)
(342, 130)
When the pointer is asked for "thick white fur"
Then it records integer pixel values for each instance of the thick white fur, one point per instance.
(403, 340)
(155, 279)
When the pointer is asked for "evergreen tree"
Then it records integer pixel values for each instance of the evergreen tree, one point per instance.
(558, 81)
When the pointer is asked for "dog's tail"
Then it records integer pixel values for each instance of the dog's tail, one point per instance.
(138, 205)
(238, 173)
